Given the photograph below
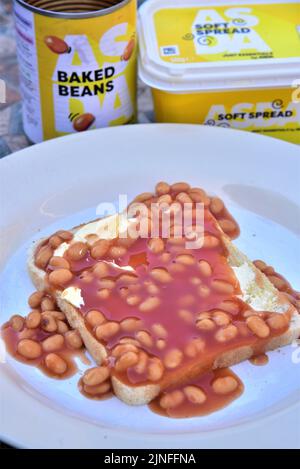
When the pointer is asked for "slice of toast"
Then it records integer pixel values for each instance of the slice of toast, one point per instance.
(255, 290)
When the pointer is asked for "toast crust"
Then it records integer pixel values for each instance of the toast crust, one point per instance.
(260, 287)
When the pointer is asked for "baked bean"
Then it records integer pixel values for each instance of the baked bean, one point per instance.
(162, 188)
(204, 315)
(77, 251)
(95, 376)
(205, 268)
(48, 323)
(97, 390)
(228, 226)
(149, 304)
(159, 330)
(194, 394)
(100, 269)
(35, 299)
(180, 187)
(210, 242)
(226, 334)
(173, 358)
(103, 293)
(117, 251)
(53, 343)
(143, 197)
(224, 385)
(216, 205)
(165, 199)
(128, 279)
(43, 256)
(203, 291)
(123, 292)
(107, 330)
(56, 364)
(107, 283)
(95, 318)
(261, 265)
(221, 318)
(55, 241)
(186, 316)
(269, 270)
(58, 315)
(258, 326)
(65, 235)
(231, 307)
(278, 283)
(153, 289)
(123, 348)
(186, 300)
(165, 257)
(277, 321)
(171, 399)
(156, 245)
(59, 262)
(47, 304)
(100, 248)
(205, 325)
(133, 300)
(127, 360)
(144, 338)
(194, 347)
(29, 349)
(16, 322)
(155, 369)
(33, 320)
(186, 259)
(62, 327)
(195, 281)
(161, 275)
(91, 239)
(73, 340)
(249, 312)
(222, 287)
(141, 366)
(161, 344)
(184, 198)
(130, 324)
(60, 277)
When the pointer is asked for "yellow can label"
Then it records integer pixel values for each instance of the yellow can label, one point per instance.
(273, 112)
(225, 33)
(77, 74)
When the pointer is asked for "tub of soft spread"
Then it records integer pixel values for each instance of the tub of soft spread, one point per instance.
(224, 63)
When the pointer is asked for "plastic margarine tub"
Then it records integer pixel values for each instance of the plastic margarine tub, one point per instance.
(229, 64)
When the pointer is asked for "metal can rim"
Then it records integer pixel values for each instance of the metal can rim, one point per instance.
(74, 16)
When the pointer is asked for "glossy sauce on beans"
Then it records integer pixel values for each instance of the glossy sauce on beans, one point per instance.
(212, 403)
(154, 287)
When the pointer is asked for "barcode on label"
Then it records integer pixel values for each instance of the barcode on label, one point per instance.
(169, 50)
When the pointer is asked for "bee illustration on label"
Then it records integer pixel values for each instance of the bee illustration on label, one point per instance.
(57, 45)
(82, 122)
(128, 51)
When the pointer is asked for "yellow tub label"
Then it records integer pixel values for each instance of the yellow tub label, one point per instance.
(224, 33)
(77, 74)
(274, 112)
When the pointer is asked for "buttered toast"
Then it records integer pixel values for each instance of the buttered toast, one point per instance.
(156, 311)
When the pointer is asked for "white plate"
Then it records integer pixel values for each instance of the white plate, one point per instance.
(59, 184)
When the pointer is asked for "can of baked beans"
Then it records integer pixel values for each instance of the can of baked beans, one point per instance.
(77, 64)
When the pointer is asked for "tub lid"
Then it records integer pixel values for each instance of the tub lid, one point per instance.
(198, 44)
